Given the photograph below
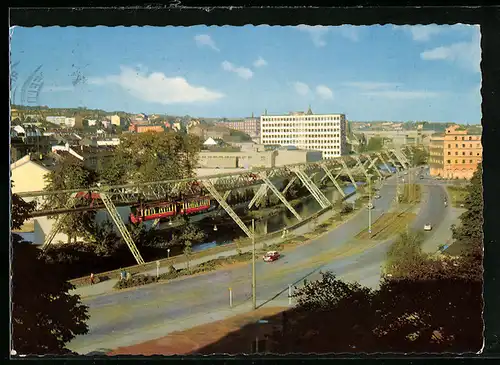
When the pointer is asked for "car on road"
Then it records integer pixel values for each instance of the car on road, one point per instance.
(377, 196)
(406, 172)
(370, 206)
(428, 227)
(271, 256)
(420, 177)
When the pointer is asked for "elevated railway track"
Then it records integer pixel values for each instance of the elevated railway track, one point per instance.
(217, 187)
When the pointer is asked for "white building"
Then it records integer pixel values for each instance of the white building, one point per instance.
(308, 131)
(57, 120)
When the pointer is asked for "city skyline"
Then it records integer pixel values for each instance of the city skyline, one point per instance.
(369, 73)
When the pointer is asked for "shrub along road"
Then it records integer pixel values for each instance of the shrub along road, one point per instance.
(133, 316)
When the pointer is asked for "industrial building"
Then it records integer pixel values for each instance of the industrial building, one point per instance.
(307, 131)
(258, 157)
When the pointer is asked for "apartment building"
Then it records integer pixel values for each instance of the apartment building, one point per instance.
(250, 126)
(308, 131)
(455, 154)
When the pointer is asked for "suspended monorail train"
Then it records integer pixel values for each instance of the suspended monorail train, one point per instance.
(151, 211)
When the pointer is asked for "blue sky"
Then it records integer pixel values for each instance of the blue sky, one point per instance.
(369, 73)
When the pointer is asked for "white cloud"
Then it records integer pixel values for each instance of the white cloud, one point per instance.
(464, 54)
(367, 85)
(204, 40)
(324, 92)
(243, 72)
(421, 33)
(260, 62)
(158, 88)
(301, 88)
(316, 32)
(399, 94)
(350, 32)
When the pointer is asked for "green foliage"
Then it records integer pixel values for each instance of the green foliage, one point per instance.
(156, 156)
(470, 229)
(104, 237)
(404, 254)
(375, 144)
(187, 251)
(20, 211)
(420, 156)
(71, 174)
(240, 136)
(136, 280)
(44, 315)
(326, 292)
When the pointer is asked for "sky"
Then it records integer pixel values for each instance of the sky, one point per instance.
(397, 73)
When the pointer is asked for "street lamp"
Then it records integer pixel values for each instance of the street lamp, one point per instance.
(370, 205)
(254, 282)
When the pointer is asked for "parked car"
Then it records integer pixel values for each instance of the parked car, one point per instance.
(428, 227)
(370, 206)
(271, 256)
(377, 196)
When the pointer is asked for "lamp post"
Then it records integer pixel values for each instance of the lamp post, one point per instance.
(254, 282)
(168, 253)
(370, 205)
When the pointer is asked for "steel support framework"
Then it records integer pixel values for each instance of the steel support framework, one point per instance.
(361, 165)
(387, 153)
(115, 216)
(333, 180)
(348, 172)
(213, 191)
(281, 197)
(59, 223)
(385, 163)
(130, 194)
(313, 189)
(402, 159)
(260, 194)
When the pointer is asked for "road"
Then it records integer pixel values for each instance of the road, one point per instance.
(133, 316)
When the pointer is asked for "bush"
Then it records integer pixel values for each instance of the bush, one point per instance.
(136, 280)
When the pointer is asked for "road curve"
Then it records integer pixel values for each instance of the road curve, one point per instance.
(129, 317)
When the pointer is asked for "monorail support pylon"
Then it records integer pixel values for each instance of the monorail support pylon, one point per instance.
(276, 192)
(213, 191)
(401, 158)
(59, 223)
(260, 194)
(388, 154)
(372, 164)
(384, 162)
(115, 216)
(313, 189)
(334, 181)
(348, 172)
(361, 166)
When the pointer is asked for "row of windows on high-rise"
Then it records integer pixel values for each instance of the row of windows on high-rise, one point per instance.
(463, 153)
(301, 118)
(456, 161)
(300, 125)
(478, 145)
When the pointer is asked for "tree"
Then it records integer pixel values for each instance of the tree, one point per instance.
(69, 174)
(153, 156)
(375, 144)
(44, 315)
(20, 211)
(470, 230)
(187, 252)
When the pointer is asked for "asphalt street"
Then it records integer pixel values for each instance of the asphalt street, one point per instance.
(133, 316)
